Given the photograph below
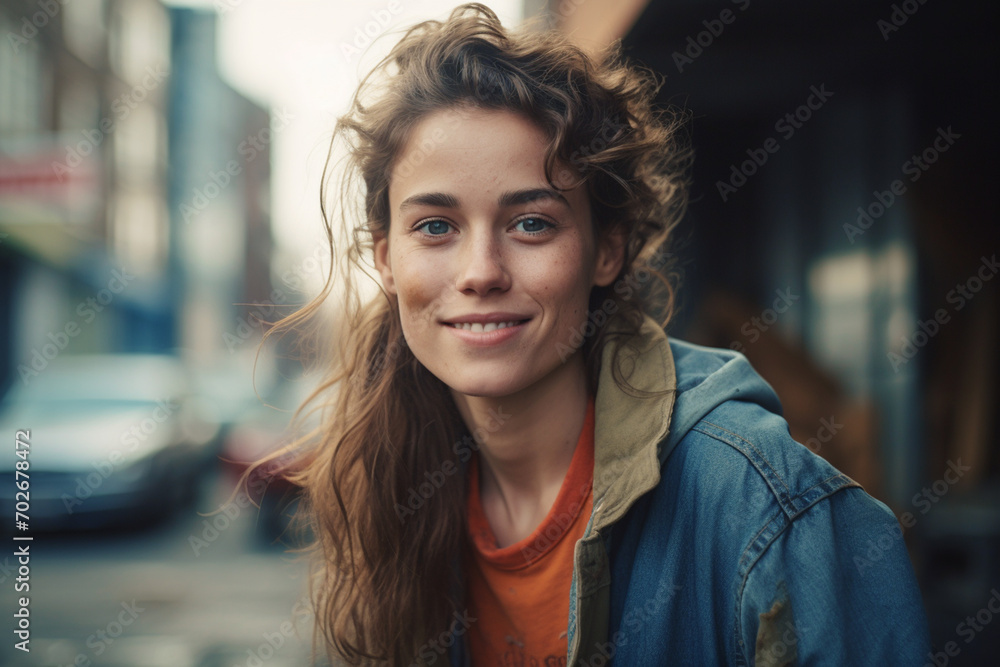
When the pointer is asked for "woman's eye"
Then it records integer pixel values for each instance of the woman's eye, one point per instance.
(534, 225)
(434, 227)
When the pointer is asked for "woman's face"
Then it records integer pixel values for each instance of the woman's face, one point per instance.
(477, 235)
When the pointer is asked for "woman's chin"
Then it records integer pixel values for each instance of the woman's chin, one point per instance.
(481, 388)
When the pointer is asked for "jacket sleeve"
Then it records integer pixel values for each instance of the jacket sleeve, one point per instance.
(834, 587)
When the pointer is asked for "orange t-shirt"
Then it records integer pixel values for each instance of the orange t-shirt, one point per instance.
(519, 595)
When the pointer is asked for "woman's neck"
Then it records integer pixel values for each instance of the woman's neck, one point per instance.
(527, 444)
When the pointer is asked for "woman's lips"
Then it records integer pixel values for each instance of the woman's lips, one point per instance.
(478, 335)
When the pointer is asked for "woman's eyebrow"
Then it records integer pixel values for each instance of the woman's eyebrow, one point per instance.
(517, 197)
(439, 199)
(510, 198)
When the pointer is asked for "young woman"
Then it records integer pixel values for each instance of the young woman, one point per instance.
(517, 466)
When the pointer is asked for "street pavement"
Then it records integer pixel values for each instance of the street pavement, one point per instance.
(196, 591)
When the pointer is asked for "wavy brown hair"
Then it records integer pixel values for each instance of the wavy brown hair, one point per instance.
(386, 581)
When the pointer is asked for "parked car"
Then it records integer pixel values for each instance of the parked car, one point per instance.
(114, 440)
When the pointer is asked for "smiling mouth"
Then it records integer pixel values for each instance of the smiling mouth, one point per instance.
(478, 327)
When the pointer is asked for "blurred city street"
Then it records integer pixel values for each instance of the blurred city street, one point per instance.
(146, 598)
(161, 210)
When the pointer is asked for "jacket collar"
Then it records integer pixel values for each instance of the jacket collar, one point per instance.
(628, 428)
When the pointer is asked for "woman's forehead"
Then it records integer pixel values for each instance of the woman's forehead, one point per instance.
(474, 148)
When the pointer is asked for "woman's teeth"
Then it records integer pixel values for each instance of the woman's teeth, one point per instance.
(483, 328)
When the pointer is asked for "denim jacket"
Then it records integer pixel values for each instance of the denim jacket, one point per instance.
(716, 539)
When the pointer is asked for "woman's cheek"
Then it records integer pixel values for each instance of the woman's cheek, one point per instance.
(421, 303)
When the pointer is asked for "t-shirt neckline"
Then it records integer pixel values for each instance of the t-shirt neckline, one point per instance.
(572, 497)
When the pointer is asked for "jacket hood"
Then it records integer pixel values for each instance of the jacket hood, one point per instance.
(706, 377)
(634, 434)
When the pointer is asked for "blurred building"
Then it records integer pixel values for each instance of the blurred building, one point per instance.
(114, 126)
(220, 147)
(82, 180)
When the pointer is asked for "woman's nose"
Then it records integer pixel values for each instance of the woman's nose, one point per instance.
(481, 264)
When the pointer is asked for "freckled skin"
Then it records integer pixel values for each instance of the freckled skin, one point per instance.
(477, 256)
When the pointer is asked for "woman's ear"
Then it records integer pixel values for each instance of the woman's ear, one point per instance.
(610, 257)
(382, 262)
